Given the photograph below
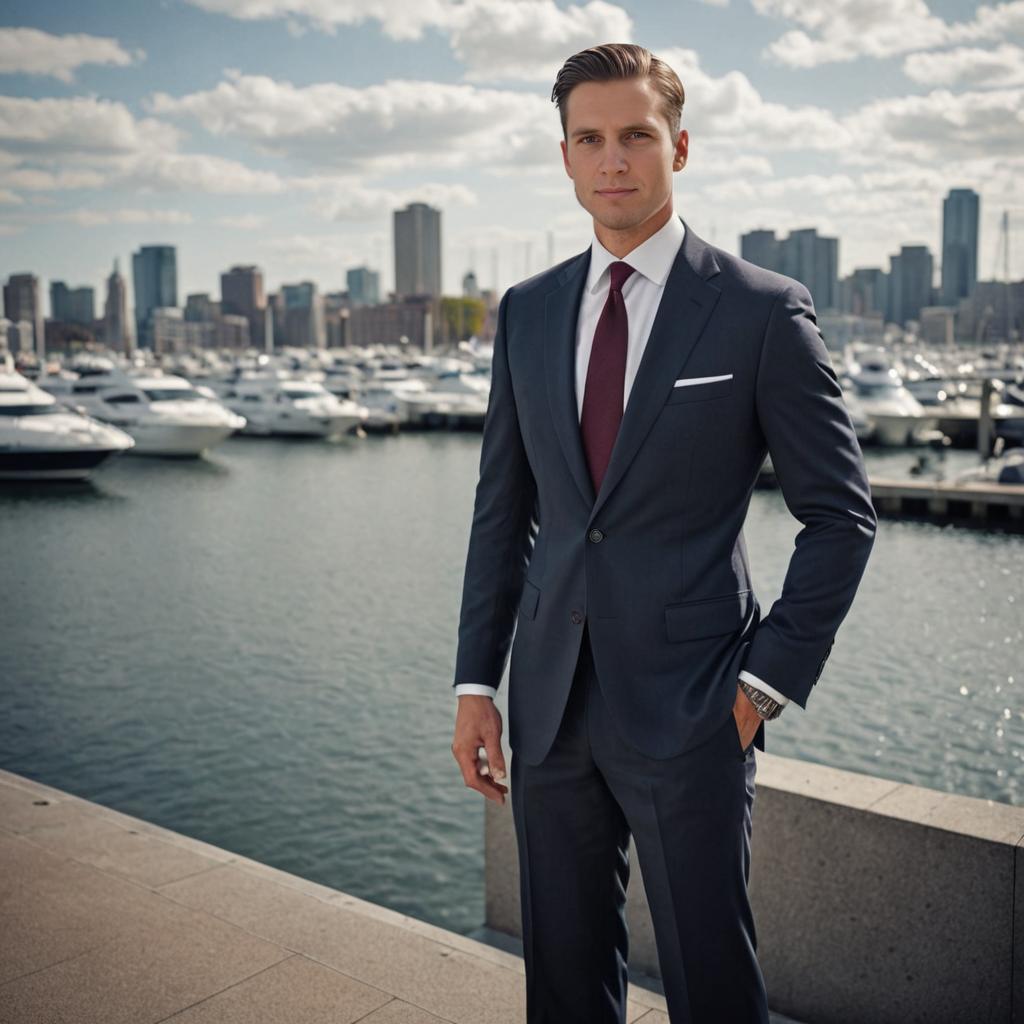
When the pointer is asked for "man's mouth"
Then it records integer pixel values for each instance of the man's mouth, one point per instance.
(615, 191)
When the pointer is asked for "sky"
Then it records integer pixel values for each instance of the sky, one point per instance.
(285, 132)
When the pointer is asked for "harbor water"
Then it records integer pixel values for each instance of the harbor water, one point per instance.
(255, 648)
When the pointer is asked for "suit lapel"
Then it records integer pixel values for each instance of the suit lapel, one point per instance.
(686, 305)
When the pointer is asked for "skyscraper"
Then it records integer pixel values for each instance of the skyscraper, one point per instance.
(417, 231)
(303, 315)
(155, 279)
(813, 261)
(910, 283)
(242, 294)
(115, 312)
(761, 247)
(21, 302)
(959, 244)
(72, 305)
(363, 286)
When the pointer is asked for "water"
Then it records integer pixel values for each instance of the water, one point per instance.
(256, 649)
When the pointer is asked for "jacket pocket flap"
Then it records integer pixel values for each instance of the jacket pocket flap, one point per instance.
(713, 616)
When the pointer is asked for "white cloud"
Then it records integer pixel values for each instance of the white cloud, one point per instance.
(341, 199)
(30, 51)
(728, 109)
(843, 30)
(10, 198)
(969, 66)
(940, 127)
(86, 217)
(83, 125)
(495, 39)
(243, 222)
(530, 39)
(386, 127)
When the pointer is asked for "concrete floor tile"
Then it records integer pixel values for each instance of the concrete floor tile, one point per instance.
(142, 858)
(293, 991)
(140, 976)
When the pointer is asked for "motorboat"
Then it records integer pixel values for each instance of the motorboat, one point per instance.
(40, 439)
(897, 418)
(276, 405)
(164, 413)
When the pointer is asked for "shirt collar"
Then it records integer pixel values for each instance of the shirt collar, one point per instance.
(652, 258)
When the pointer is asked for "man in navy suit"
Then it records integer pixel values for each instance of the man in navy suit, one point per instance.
(636, 389)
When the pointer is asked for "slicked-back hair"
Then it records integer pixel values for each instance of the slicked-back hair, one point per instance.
(610, 62)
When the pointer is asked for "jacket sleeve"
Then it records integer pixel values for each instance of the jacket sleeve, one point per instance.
(820, 469)
(502, 533)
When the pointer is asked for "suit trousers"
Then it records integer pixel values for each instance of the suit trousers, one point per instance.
(690, 818)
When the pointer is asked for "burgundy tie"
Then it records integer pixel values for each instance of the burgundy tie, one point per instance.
(606, 378)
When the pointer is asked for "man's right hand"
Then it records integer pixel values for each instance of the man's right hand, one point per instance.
(478, 724)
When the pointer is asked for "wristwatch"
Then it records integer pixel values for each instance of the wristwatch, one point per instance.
(764, 705)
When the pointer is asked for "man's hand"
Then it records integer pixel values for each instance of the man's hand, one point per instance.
(478, 724)
(745, 716)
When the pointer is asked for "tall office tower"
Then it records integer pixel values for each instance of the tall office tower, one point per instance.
(21, 302)
(418, 251)
(72, 305)
(303, 315)
(866, 290)
(470, 287)
(761, 247)
(910, 283)
(959, 244)
(115, 312)
(813, 261)
(242, 294)
(363, 286)
(155, 278)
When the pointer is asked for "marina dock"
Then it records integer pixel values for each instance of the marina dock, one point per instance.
(973, 502)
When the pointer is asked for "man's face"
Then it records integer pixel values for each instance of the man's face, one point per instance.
(620, 152)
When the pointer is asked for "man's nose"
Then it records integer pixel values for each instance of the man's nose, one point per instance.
(613, 159)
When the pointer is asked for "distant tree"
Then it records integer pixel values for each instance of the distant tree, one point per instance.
(461, 317)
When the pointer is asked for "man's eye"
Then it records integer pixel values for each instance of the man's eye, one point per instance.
(644, 134)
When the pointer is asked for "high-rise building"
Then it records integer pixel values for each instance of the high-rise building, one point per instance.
(810, 258)
(155, 279)
(813, 261)
(865, 292)
(470, 286)
(910, 283)
(201, 309)
(417, 231)
(21, 303)
(72, 305)
(761, 247)
(363, 286)
(115, 312)
(242, 294)
(303, 315)
(959, 244)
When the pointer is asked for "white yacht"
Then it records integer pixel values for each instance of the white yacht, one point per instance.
(274, 405)
(897, 418)
(164, 413)
(42, 440)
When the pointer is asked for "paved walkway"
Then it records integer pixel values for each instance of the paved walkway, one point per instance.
(106, 918)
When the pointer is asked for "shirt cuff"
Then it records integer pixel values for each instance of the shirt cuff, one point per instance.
(480, 688)
(761, 685)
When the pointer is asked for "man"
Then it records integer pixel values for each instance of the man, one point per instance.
(635, 391)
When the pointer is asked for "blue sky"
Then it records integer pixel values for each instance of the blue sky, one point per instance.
(283, 132)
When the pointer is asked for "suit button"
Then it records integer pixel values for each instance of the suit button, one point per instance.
(575, 618)
(596, 536)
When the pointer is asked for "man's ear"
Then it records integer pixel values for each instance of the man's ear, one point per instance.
(565, 157)
(682, 151)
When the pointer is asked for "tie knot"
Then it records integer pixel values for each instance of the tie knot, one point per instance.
(619, 271)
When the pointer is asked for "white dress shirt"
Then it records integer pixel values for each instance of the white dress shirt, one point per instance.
(651, 262)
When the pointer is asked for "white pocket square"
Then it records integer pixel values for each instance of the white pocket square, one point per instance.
(683, 381)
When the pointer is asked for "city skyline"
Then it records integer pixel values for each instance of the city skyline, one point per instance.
(284, 134)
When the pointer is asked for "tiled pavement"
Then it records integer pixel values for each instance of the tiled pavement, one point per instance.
(106, 918)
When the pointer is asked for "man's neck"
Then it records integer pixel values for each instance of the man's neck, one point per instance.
(621, 243)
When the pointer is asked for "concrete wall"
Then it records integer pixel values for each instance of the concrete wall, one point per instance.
(874, 901)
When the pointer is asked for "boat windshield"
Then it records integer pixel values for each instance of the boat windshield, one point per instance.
(172, 395)
(29, 410)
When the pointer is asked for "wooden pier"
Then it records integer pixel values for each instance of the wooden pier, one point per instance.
(935, 499)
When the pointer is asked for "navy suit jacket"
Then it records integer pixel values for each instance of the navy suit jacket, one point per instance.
(656, 562)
